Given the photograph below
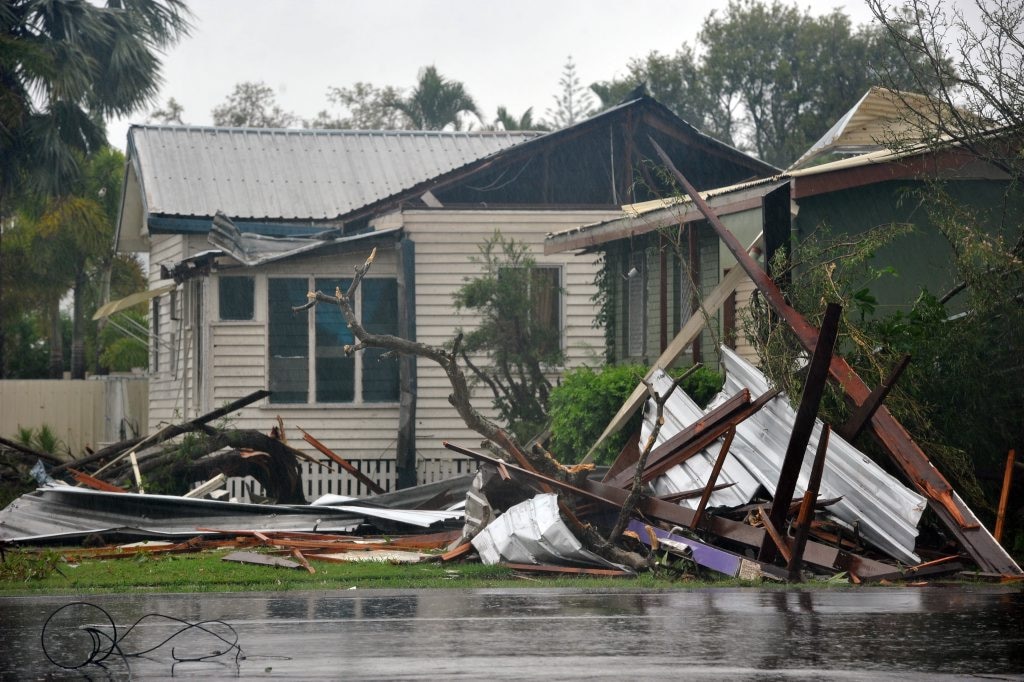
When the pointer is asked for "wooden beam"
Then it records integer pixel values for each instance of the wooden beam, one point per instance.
(943, 499)
(803, 424)
(1004, 496)
(371, 484)
(776, 537)
(803, 523)
(816, 553)
(686, 335)
(862, 413)
(696, 437)
(713, 478)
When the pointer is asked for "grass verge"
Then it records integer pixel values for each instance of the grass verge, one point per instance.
(29, 573)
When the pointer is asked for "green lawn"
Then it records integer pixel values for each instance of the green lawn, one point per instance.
(47, 573)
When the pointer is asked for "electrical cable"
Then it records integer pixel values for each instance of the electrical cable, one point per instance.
(64, 646)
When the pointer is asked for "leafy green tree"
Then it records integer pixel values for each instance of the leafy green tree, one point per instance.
(573, 103)
(586, 399)
(64, 68)
(516, 345)
(435, 103)
(252, 105)
(678, 82)
(364, 107)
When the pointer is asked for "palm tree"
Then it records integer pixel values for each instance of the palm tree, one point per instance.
(435, 103)
(65, 67)
(507, 121)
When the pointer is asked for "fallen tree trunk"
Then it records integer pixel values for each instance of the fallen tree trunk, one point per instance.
(271, 462)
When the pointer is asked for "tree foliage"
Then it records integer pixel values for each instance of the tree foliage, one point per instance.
(169, 114)
(435, 103)
(511, 348)
(586, 400)
(363, 106)
(252, 104)
(767, 78)
(505, 120)
(971, 69)
(572, 103)
(64, 68)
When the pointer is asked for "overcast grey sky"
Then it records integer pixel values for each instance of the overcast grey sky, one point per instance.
(506, 53)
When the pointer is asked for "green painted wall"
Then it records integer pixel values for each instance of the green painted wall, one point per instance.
(922, 258)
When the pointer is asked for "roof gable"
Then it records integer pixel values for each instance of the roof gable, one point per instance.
(286, 182)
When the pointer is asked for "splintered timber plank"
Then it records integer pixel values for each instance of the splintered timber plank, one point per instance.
(734, 531)
(943, 499)
(681, 445)
(571, 570)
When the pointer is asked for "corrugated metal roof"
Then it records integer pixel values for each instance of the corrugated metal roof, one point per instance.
(253, 173)
(879, 117)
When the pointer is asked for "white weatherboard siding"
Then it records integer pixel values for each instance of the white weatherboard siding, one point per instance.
(235, 352)
(166, 400)
(446, 244)
(239, 353)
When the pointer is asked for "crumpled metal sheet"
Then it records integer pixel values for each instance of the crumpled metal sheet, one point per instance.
(532, 532)
(885, 510)
(66, 513)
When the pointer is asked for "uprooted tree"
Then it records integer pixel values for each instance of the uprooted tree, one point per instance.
(535, 458)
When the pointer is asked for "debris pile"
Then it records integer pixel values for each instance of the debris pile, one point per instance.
(696, 494)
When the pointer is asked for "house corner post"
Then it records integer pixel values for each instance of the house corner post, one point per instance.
(405, 451)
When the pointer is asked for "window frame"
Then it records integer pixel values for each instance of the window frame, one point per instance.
(220, 301)
(359, 368)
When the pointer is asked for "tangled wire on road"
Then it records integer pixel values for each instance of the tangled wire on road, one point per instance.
(80, 634)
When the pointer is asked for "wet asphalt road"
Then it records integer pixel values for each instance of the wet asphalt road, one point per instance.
(750, 634)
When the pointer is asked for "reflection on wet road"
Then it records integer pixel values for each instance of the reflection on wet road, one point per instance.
(859, 634)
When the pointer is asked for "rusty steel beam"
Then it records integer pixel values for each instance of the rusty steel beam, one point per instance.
(922, 474)
(803, 424)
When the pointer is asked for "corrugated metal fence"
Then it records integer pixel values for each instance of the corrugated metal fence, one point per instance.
(90, 413)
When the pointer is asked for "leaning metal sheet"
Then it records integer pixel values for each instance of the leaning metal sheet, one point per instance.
(885, 511)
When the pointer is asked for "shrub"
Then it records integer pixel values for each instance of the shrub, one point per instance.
(587, 399)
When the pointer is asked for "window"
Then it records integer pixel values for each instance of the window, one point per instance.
(546, 307)
(236, 298)
(337, 378)
(544, 312)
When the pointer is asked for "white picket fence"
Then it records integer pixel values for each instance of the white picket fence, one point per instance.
(319, 480)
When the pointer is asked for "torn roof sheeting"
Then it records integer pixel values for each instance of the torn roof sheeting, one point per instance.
(67, 512)
(532, 532)
(255, 249)
(886, 510)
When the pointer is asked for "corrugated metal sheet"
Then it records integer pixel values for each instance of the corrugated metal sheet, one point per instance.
(879, 117)
(886, 511)
(66, 512)
(252, 173)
